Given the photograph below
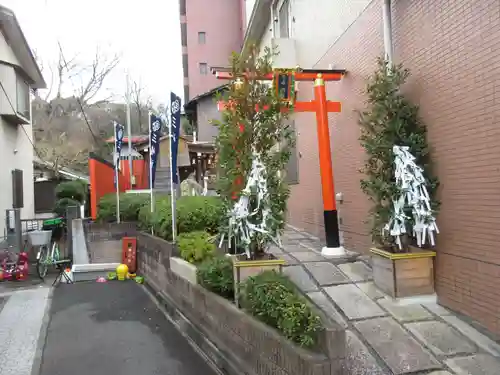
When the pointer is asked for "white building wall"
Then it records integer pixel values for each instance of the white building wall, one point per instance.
(315, 25)
(16, 150)
(249, 4)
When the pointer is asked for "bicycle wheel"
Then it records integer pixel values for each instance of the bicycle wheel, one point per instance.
(42, 262)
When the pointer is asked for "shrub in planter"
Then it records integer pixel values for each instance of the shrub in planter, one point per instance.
(76, 190)
(196, 213)
(253, 146)
(195, 247)
(130, 204)
(272, 298)
(160, 221)
(389, 120)
(397, 176)
(216, 275)
(62, 205)
(193, 214)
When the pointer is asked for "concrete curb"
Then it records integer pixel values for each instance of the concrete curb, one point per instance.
(42, 337)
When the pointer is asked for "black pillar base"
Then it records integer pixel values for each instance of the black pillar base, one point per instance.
(332, 228)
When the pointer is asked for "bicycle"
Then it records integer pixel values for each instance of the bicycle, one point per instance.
(48, 248)
(45, 259)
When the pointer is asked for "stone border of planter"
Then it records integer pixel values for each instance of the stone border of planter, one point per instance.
(244, 345)
(183, 269)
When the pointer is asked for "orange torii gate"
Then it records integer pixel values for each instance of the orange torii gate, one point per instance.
(321, 106)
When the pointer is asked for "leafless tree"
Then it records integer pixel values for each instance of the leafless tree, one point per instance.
(141, 103)
(97, 72)
(67, 129)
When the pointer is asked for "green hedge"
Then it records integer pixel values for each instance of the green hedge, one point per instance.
(216, 275)
(130, 204)
(193, 213)
(199, 213)
(196, 247)
(160, 220)
(275, 300)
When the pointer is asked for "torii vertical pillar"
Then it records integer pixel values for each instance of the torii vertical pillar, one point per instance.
(321, 106)
(331, 218)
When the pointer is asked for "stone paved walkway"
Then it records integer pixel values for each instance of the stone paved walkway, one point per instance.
(384, 336)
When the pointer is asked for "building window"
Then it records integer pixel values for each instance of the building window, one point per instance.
(283, 19)
(23, 98)
(203, 69)
(185, 66)
(202, 37)
(184, 34)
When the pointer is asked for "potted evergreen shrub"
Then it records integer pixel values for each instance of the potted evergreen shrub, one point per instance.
(253, 148)
(397, 176)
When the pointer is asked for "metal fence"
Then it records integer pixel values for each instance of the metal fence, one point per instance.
(16, 238)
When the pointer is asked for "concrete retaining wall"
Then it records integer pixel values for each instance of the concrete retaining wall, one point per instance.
(236, 342)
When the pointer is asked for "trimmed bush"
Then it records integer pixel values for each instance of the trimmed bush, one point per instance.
(272, 298)
(160, 220)
(62, 205)
(199, 213)
(130, 204)
(195, 247)
(76, 190)
(193, 214)
(216, 275)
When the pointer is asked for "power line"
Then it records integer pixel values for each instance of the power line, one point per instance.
(22, 127)
(96, 140)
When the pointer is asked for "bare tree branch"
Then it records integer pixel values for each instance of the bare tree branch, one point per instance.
(61, 132)
(99, 70)
(141, 103)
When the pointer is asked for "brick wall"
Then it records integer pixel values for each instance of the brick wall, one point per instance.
(453, 52)
(250, 346)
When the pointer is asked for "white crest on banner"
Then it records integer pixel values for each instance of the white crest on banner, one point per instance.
(176, 106)
(156, 125)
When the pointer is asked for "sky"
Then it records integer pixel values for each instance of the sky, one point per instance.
(145, 34)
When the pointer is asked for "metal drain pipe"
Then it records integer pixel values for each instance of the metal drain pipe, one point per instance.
(387, 23)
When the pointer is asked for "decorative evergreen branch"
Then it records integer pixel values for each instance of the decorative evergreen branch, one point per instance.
(390, 119)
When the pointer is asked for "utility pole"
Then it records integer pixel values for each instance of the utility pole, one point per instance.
(129, 133)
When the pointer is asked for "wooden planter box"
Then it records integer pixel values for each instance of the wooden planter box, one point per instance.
(404, 274)
(243, 269)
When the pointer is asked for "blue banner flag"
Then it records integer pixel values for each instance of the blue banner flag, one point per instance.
(175, 126)
(119, 130)
(154, 139)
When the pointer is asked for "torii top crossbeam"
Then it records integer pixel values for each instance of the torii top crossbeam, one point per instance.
(321, 106)
(300, 75)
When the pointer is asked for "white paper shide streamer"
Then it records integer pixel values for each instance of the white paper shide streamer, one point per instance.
(411, 182)
(240, 227)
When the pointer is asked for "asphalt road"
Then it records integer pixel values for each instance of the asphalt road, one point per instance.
(113, 328)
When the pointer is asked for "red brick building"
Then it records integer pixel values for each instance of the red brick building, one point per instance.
(453, 51)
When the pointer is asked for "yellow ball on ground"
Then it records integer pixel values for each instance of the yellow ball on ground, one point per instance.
(122, 271)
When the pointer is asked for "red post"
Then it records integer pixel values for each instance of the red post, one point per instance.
(325, 164)
(322, 107)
